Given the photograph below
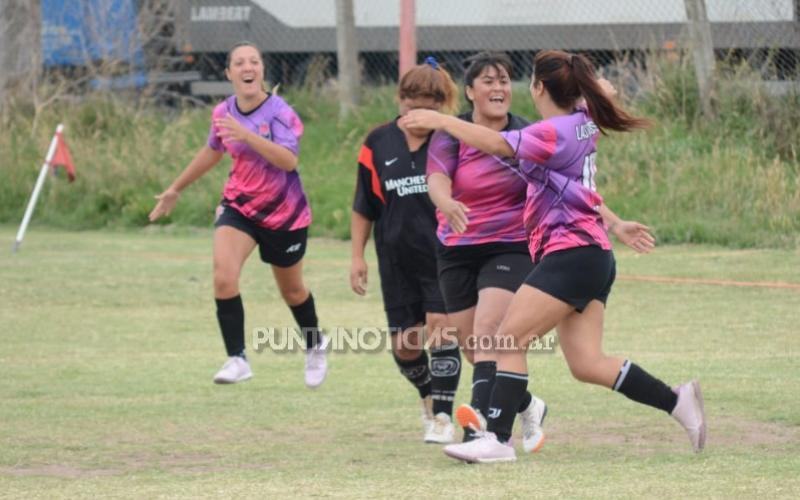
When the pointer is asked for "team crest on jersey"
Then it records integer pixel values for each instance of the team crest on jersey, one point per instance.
(264, 131)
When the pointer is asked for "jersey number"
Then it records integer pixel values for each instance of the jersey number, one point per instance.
(589, 171)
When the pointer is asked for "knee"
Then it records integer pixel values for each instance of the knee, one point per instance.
(294, 295)
(487, 325)
(407, 345)
(587, 370)
(226, 282)
(435, 323)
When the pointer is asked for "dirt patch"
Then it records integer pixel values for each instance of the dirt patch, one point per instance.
(188, 463)
(723, 432)
(57, 470)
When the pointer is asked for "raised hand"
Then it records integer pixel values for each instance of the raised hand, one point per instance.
(230, 130)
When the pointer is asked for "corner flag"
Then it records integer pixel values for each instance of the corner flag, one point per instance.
(57, 155)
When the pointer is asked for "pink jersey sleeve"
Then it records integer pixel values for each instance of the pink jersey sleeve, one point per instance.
(535, 143)
(442, 154)
(287, 129)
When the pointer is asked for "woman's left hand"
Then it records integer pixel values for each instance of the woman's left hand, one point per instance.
(634, 235)
(231, 130)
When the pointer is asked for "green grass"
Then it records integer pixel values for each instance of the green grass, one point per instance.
(110, 343)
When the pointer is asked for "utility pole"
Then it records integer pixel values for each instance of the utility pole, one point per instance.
(408, 36)
(702, 51)
(347, 56)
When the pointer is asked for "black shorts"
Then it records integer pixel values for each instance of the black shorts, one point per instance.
(410, 289)
(279, 248)
(576, 276)
(466, 269)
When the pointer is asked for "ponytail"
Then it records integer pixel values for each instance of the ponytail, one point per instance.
(570, 77)
(604, 112)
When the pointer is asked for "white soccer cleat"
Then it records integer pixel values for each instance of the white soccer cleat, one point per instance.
(427, 415)
(690, 413)
(236, 369)
(317, 363)
(484, 449)
(442, 430)
(532, 418)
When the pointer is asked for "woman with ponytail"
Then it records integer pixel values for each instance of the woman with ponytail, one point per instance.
(574, 266)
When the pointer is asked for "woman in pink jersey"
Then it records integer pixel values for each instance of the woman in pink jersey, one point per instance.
(574, 266)
(481, 256)
(263, 204)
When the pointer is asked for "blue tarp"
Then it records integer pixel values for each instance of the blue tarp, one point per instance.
(78, 32)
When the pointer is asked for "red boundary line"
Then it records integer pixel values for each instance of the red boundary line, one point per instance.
(700, 281)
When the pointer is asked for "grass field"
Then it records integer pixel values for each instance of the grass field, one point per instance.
(110, 343)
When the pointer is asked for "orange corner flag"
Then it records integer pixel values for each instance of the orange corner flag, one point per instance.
(62, 156)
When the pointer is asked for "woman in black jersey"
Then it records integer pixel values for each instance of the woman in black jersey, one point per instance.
(391, 198)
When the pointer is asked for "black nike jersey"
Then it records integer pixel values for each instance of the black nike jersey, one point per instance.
(391, 190)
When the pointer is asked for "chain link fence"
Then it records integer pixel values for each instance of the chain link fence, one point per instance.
(179, 47)
(299, 36)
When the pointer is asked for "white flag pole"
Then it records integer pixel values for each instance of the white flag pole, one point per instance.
(37, 188)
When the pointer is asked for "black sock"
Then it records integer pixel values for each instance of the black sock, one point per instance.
(306, 316)
(482, 385)
(230, 315)
(509, 389)
(526, 402)
(445, 372)
(640, 386)
(417, 372)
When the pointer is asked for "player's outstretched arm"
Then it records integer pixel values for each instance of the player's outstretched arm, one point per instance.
(203, 161)
(479, 137)
(630, 233)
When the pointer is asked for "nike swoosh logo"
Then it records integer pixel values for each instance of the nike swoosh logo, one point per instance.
(389, 162)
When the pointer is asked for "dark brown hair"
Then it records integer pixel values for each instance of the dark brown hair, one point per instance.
(425, 80)
(474, 66)
(568, 77)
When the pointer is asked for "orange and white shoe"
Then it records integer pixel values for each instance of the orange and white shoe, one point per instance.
(532, 418)
(471, 420)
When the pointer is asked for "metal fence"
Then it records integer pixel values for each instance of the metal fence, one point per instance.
(299, 36)
(182, 44)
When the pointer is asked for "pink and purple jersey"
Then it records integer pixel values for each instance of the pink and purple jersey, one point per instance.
(494, 194)
(262, 192)
(557, 159)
